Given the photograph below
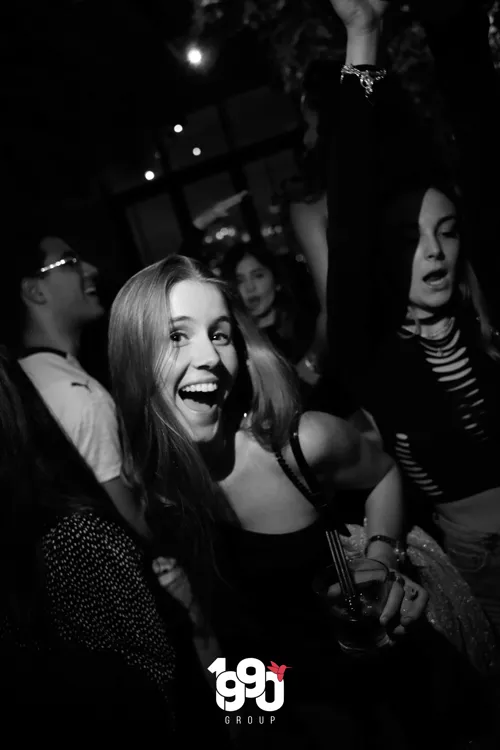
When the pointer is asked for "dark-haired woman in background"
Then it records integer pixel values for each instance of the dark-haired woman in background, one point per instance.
(419, 347)
(84, 626)
(289, 325)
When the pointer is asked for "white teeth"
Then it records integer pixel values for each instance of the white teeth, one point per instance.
(200, 388)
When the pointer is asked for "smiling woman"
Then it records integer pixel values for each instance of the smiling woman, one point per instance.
(208, 419)
(202, 363)
(186, 365)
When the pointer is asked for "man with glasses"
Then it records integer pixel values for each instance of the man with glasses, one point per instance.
(57, 298)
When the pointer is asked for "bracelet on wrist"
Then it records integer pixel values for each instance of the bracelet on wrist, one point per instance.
(366, 74)
(395, 544)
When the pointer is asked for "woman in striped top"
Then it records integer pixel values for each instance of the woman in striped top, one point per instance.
(420, 347)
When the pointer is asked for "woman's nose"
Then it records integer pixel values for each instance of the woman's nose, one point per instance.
(206, 354)
(433, 248)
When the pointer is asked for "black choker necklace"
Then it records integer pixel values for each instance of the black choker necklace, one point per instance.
(441, 329)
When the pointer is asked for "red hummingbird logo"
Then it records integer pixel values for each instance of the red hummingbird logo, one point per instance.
(279, 671)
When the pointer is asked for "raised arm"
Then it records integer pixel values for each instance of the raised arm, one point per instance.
(352, 198)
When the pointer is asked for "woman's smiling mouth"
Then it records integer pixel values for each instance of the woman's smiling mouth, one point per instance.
(200, 397)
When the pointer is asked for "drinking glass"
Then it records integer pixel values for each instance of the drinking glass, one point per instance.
(359, 632)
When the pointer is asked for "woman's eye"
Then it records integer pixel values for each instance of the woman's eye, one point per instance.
(177, 337)
(221, 337)
(450, 234)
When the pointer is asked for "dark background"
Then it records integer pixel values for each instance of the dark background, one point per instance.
(92, 90)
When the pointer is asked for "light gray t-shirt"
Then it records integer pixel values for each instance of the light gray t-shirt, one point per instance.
(81, 405)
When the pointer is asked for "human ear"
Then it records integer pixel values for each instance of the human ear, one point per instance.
(31, 291)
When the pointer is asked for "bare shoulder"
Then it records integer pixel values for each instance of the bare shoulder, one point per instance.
(324, 438)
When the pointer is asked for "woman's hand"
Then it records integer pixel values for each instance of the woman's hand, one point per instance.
(360, 16)
(172, 578)
(306, 373)
(405, 604)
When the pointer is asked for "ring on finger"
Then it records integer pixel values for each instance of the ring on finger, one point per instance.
(393, 575)
(411, 593)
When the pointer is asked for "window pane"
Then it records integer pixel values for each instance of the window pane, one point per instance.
(155, 228)
(260, 114)
(122, 177)
(224, 232)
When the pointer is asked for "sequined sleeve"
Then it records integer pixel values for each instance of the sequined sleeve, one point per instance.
(99, 598)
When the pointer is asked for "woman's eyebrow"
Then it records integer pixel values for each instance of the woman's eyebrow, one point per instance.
(221, 319)
(443, 219)
(187, 318)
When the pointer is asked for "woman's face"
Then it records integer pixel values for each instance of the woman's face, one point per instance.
(435, 259)
(202, 364)
(256, 286)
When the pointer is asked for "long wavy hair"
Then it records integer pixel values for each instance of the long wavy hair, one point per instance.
(42, 479)
(468, 295)
(161, 461)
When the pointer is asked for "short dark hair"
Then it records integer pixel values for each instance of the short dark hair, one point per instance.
(22, 258)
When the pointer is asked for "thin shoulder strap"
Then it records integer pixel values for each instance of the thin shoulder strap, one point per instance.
(304, 467)
(313, 492)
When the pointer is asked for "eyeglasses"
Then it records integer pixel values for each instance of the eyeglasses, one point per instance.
(70, 260)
